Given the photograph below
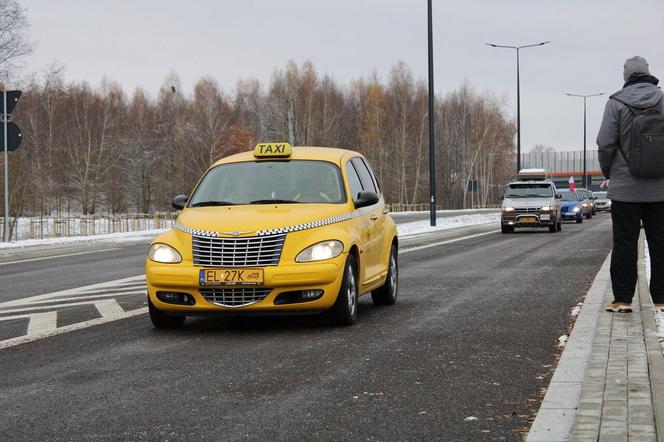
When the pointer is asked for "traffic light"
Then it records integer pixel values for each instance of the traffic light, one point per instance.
(14, 135)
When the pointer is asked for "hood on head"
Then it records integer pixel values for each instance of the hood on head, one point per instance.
(640, 95)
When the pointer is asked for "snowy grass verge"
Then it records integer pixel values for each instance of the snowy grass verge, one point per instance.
(421, 227)
(115, 237)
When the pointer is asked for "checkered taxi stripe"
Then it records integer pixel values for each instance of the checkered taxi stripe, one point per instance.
(295, 228)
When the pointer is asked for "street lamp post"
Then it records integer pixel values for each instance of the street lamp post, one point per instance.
(518, 96)
(432, 159)
(585, 97)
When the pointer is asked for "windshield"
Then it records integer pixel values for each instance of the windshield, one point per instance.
(600, 195)
(529, 191)
(266, 182)
(569, 196)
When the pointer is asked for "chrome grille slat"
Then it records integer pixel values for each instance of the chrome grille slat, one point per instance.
(237, 252)
(235, 296)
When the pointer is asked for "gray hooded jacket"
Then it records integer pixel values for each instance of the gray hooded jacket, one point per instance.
(617, 128)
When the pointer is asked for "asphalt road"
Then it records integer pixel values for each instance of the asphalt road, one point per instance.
(463, 355)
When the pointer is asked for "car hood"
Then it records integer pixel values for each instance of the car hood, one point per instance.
(247, 220)
(527, 202)
(570, 203)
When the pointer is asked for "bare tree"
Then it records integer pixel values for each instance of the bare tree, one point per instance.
(14, 40)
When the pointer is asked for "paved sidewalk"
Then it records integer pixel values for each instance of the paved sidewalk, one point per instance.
(609, 384)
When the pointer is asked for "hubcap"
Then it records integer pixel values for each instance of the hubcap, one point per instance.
(350, 294)
(393, 275)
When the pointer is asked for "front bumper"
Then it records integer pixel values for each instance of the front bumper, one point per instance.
(571, 215)
(184, 278)
(522, 220)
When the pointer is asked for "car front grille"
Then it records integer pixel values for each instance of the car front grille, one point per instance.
(237, 252)
(526, 210)
(235, 296)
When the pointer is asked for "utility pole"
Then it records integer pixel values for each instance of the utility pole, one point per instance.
(432, 152)
(585, 166)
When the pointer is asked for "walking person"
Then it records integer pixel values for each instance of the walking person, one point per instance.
(634, 163)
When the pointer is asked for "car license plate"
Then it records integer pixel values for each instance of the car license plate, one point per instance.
(528, 219)
(545, 217)
(231, 277)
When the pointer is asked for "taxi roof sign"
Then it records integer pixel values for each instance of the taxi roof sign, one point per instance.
(263, 150)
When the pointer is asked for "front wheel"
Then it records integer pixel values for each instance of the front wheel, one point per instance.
(387, 294)
(506, 229)
(162, 320)
(559, 225)
(344, 310)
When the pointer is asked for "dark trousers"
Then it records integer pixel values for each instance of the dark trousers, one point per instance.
(627, 218)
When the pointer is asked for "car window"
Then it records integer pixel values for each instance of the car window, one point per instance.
(569, 196)
(373, 175)
(529, 191)
(365, 176)
(601, 195)
(256, 182)
(353, 180)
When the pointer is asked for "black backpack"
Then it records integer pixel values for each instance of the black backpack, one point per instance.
(646, 158)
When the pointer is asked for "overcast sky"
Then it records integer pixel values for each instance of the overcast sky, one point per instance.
(137, 43)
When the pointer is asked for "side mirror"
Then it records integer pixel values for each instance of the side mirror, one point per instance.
(180, 201)
(559, 196)
(366, 198)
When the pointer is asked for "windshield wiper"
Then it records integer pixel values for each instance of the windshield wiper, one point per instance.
(212, 203)
(273, 201)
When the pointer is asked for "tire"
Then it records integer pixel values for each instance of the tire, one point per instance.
(387, 294)
(589, 215)
(559, 225)
(162, 320)
(506, 229)
(553, 228)
(579, 220)
(344, 310)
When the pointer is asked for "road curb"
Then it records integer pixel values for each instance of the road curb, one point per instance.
(555, 418)
(653, 347)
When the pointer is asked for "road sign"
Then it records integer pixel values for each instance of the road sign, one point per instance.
(12, 99)
(14, 135)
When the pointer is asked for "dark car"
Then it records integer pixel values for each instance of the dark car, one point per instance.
(587, 203)
(570, 206)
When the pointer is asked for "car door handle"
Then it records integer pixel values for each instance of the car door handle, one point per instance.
(374, 217)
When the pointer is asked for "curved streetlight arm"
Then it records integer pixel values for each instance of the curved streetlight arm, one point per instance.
(517, 47)
(584, 96)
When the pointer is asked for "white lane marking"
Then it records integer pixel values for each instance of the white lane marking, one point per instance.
(68, 328)
(41, 258)
(74, 291)
(78, 298)
(43, 318)
(442, 243)
(38, 322)
(42, 322)
(109, 308)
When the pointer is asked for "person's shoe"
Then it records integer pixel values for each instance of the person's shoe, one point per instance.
(619, 307)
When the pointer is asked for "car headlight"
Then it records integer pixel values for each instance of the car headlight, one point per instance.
(507, 210)
(608, 203)
(164, 253)
(576, 209)
(547, 209)
(584, 205)
(321, 251)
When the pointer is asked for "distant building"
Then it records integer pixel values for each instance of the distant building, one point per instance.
(563, 165)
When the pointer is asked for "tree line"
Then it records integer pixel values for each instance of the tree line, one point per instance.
(103, 150)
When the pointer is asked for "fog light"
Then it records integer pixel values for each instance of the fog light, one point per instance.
(176, 298)
(311, 294)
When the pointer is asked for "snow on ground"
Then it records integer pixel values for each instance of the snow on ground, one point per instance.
(420, 227)
(405, 229)
(115, 237)
(659, 316)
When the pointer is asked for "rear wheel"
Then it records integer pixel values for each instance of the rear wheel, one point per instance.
(162, 320)
(387, 294)
(344, 310)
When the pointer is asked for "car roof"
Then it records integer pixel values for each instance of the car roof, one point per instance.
(332, 154)
(532, 182)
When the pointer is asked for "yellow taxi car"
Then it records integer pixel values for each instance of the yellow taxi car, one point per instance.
(278, 230)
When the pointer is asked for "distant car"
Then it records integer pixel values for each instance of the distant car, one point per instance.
(587, 203)
(531, 201)
(570, 206)
(602, 202)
